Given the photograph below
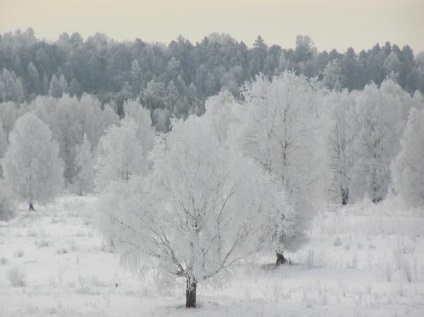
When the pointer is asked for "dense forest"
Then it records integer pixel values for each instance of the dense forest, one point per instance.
(176, 78)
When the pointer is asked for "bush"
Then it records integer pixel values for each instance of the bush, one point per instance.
(16, 277)
(19, 253)
(3, 260)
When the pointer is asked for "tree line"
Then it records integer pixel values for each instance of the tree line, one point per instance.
(351, 139)
(176, 79)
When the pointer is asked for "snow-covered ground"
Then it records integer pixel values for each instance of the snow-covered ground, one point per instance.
(360, 261)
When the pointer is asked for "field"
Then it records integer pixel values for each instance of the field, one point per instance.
(364, 260)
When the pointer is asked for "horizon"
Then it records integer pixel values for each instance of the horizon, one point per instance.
(248, 44)
(330, 24)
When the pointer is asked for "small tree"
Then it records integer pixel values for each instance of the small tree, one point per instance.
(408, 167)
(120, 155)
(203, 208)
(84, 181)
(32, 167)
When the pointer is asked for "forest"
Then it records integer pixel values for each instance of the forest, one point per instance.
(178, 77)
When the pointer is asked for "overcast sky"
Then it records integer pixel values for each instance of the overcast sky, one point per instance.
(330, 23)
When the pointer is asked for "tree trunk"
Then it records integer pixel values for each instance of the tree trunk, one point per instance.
(377, 200)
(191, 294)
(280, 259)
(31, 207)
(345, 196)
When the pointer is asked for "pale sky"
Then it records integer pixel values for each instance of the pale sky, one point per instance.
(330, 23)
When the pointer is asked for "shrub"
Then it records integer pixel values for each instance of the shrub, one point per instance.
(3, 260)
(19, 253)
(337, 242)
(16, 277)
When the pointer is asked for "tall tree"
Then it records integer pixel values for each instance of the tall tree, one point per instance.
(341, 143)
(283, 133)
(382, 117)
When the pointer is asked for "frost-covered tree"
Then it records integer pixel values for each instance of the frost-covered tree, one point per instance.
(11, 87)
(161, 119)
(392, 66)
(136, 75)
(62, 116)
(55, 88)
(63, 84)
(224, 114)
(8, 205)
(332, 76)
(203, 209)
(141, 116)
(382, 117)
(9, 113)
(408, 167)
(69, 118)
(341, 143)
(120, 155)
(283, 133)
(32, 166)
(84, 180)
(33, 78)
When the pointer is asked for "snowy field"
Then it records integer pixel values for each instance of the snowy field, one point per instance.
(360, 261)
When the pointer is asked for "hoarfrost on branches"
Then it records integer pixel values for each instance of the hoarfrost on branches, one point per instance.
(203, 208)
(282, 131)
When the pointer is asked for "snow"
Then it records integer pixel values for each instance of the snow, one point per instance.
(363, 260)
